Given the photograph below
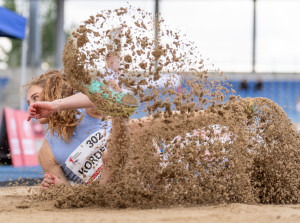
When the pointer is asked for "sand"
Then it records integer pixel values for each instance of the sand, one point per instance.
(224, 164)
(13, 208)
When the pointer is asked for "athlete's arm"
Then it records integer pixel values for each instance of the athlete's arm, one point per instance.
(54, 175)
(44, 109)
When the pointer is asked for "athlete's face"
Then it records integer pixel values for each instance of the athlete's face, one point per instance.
(113, 62)
(33, 95)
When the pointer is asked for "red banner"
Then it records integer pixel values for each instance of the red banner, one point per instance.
(26, 139)
(20, 138)
(13, 139)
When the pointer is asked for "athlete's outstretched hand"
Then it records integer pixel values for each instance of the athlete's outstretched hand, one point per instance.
(50, 181)
(41, 109)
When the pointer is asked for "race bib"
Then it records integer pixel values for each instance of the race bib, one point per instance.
(86, 160)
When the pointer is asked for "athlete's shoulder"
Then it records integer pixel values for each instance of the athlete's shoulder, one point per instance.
(45, 154)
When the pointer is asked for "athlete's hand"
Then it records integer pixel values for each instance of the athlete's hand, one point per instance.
(50, 181)
(41, 109)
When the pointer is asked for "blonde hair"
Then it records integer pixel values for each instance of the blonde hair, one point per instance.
(55, 86)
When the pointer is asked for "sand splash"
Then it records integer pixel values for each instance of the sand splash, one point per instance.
(215, 147)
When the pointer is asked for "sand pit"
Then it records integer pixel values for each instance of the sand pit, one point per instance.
(16, 207)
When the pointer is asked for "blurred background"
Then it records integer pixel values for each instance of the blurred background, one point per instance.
(255, 42)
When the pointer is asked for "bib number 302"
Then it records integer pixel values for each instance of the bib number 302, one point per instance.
(94, 139)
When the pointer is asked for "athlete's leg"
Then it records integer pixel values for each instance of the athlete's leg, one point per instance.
(116, 156)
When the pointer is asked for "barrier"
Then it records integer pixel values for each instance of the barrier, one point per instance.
(18, 133)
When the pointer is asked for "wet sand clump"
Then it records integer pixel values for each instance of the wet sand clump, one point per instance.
(196, 146)
(148, 67)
